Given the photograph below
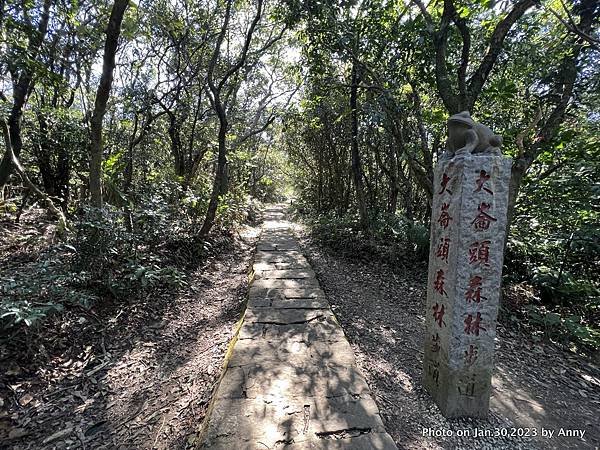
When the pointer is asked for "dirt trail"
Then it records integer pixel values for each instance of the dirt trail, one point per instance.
(535, 384)
(133, 375)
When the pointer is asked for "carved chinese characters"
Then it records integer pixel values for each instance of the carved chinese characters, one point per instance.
(473, 293)
(468, 226)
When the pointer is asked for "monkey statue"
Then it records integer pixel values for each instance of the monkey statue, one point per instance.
(465, 136)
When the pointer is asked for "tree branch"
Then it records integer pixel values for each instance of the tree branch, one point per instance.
(482, 73)
(44, 198)
(521, 136)
(573, 28)
(440, 40)
(461, 24)
(242, 59)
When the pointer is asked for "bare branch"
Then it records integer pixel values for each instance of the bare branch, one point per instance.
(44, 198)
(573, 28)
(242, 59)
(426, 15)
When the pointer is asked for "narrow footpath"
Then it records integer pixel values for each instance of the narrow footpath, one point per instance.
(291, 378)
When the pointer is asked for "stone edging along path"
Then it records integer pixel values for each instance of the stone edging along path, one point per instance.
(290, 376)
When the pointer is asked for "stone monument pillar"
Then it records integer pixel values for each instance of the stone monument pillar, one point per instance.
(468, 227)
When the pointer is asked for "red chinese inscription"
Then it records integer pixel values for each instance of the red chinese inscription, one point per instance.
(445, 218)
(444, 184)
(438, 314)
(479, 253)
(483, 219)
(443, 249)
(473, 293)
(438, 284)
(473, 324)
(483, 178)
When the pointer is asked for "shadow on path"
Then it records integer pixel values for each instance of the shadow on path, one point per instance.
(535, 385)
(292, 378)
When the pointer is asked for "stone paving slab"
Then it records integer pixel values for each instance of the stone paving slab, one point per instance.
(301, 423)
(304, 283)
(285, 303)
(321, 328)
(310, 292)
(277, 316)
(297, 263)
(278, 245)
(296, 353)
(287, 298)
(291, 379)
(287, 274)
(272, 380)
(279, 257)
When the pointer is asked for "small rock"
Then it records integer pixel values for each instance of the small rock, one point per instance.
(59, 434)
(25, 400)
(17, 433)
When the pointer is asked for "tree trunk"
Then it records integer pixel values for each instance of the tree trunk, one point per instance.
(176, 147)
(128, 172)
(55, 176)
(43, 157)
(394, 184)
(320, 182)
(44, 198)
(356, 164)
(108, 65)
(21, 90)
(518, 171)
(62, 176)
(220, 182)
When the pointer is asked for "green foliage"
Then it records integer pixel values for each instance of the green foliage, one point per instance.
(554, 243)
(121, 254)
(42, 288)
(565, 327)
(563, 287)
(14, 313)
(418, 236)
(393, 239)
(235, 208)
(269, 174)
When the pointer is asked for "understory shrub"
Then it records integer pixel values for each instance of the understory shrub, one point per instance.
(393, 238)
(118, 253)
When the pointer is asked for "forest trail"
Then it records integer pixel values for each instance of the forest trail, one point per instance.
(537, 384)
(291, 375)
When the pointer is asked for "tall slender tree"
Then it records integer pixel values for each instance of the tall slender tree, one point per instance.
(113, 31)
(22, 71)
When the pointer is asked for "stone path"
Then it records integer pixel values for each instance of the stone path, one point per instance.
(291, 379)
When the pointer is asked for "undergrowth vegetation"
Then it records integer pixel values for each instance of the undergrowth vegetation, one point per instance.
(110, 255)
(550, 281)
(393, 239)
(554, 247)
